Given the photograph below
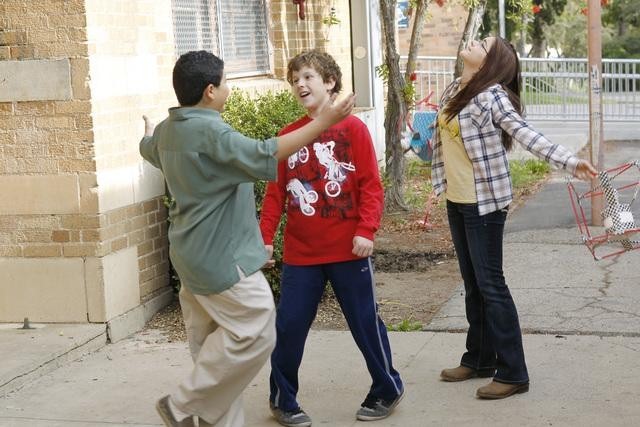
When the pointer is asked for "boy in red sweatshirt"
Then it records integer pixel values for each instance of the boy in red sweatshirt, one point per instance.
(333, 197)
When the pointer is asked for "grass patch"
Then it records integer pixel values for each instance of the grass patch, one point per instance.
(407, 325)
(524, 173)
(417, 183)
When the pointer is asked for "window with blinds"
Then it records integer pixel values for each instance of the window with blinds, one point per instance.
(236, 30)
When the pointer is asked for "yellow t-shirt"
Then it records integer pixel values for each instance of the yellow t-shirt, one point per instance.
(457, 166)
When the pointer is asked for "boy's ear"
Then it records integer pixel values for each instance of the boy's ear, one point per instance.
(330, 84)
(209, 92)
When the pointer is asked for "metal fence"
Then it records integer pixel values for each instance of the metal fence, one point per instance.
(553, 89)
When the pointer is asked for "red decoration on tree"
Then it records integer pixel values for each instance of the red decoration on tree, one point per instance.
(585, 10)
(536, 8)
(413, 76)
(300, 4)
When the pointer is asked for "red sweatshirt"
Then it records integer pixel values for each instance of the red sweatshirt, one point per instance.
(332, 192)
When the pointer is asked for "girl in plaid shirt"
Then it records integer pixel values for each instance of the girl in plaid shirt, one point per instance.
(479, 118)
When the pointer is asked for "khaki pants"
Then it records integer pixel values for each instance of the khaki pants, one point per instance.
(231, 335)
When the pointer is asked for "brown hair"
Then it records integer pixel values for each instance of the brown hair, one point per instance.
(502, 66)
(322, 62)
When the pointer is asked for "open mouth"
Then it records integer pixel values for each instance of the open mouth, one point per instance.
(304, 94)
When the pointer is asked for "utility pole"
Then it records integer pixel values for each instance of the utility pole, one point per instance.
(594, 34)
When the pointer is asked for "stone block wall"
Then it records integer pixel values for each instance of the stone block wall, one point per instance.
(83, 228)
(83, 231)
(131, 56)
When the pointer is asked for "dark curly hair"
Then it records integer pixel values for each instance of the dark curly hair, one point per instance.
(320, 61)
(193, 72)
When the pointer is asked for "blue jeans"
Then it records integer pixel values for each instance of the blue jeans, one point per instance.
(300, 294)
(494, 339)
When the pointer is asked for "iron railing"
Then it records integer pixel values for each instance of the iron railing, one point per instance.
(553, 88)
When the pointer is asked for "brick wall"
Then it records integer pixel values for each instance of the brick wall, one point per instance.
(441, 33)
(291, 35)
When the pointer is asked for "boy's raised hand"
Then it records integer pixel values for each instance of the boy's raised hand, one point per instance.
(149, 126)
(336, 112)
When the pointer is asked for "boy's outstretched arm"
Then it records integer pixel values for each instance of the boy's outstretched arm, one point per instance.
(332, 114)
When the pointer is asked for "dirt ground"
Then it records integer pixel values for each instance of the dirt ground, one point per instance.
(415, 268)
(416, 273)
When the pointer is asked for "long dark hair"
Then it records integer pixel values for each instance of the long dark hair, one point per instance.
(502, 66)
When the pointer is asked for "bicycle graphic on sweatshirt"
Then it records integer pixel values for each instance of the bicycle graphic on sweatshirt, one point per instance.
(336, 171)
(302, 156)
(305, 197)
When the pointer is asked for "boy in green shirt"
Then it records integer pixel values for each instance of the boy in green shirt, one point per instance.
(215, 243)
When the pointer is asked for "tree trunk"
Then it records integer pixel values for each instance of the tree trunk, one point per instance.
(538, 48)
(471, 28)
(622, 28)
(538, 41)
(522, 41)
(416, 36)
(398, 102)
(395, 111)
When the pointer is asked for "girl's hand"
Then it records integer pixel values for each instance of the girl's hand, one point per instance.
(585, 170)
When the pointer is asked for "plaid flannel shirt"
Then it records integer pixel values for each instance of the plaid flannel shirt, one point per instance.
(482, 122)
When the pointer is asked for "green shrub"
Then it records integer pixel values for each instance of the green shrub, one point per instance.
(261, 118)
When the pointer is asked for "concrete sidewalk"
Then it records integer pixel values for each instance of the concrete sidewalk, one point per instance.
(576, 380)
(582, 340)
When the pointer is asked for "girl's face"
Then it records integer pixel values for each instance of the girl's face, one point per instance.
(310, 90)
(476, 51)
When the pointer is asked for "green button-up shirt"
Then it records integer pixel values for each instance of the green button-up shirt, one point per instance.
(210, 168)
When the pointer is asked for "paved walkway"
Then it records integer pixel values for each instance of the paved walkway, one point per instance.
(582, 341)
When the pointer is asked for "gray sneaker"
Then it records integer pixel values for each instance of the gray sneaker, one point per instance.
(295, 418)
(374, 408)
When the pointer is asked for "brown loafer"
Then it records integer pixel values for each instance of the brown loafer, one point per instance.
(462, 373)
(497, 390)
